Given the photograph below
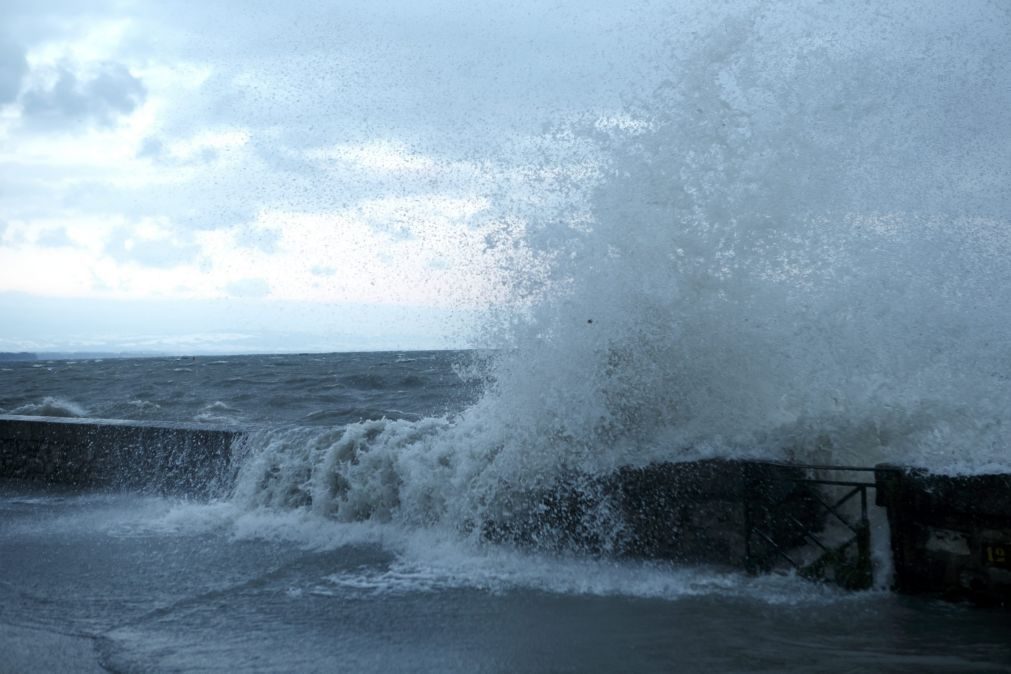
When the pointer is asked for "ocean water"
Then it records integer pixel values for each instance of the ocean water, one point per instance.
(322, 554)
(272, 390)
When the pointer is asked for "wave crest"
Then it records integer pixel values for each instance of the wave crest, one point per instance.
(51, 406)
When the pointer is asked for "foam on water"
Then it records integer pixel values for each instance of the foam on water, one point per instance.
(217, 412)
(427, 562)
(51, 406)
(421, 559)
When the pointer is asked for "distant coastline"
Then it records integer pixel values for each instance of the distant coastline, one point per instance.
(24, 356)
(8, 356)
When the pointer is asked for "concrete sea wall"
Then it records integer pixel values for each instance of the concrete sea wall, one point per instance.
(163, 457)
(748, 515)
(950, 535)
(735, 513)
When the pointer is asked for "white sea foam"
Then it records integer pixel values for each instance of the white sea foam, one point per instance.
(218, 412)
(427, 562)
(431, 559)
(51, 406)
(144, 405)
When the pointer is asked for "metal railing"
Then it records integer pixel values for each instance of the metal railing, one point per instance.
(847, 563)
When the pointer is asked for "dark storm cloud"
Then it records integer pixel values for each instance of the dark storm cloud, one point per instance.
(100, 98)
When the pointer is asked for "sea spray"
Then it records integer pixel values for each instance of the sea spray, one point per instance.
(787, 254)
(796, 246)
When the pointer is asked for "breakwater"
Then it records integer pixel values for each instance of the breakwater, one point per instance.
(734, 513)
(749, 515)
(164, 457)
(949, 535)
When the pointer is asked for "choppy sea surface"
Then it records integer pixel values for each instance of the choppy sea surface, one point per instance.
(274, 390)
(255, 579)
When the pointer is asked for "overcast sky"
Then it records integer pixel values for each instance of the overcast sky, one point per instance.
(198, 176)
(285, 175)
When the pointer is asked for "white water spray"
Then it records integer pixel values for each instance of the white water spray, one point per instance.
(796, 246)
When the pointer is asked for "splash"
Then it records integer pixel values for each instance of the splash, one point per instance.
(799, 247)
(796, 246)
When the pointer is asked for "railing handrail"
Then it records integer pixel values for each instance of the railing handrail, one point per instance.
(834, 483)
(825, 466)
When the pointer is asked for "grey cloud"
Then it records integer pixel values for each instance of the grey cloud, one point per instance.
(13, 67)
(98, 284)
(281, 157)
(101, 99)
(448, 72)
(151, 148)
(204, 212)
(248, 288)
(159, 253)
(54, 238)
(33, 21)
(257, 238)
(456, 81)
(13, 236)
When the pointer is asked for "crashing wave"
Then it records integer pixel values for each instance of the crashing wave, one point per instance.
(784, 256)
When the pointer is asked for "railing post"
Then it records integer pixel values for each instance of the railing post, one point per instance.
(864, 568)
(749, 563)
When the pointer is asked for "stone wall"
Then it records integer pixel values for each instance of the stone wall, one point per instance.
(739, 514)
(950, 535)
(162, 457)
